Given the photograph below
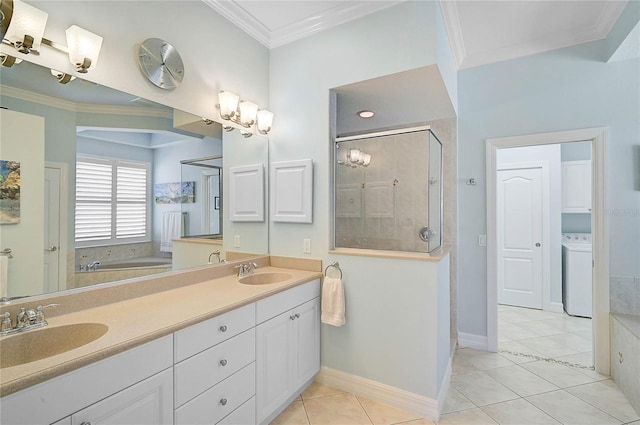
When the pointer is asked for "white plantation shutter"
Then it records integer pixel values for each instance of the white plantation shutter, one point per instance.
(131, 208)
(111, 201)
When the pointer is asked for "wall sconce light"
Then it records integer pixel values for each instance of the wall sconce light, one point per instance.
(26, 27)
(62, 77)
(25, 31)
(243, 113)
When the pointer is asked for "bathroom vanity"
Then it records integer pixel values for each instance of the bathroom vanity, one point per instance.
(210, 351)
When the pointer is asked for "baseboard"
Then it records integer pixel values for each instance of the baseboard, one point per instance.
(444, 385)
(479, 342)
(400, 399)
(555, 307)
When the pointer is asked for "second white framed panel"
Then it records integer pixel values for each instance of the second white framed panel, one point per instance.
(246, 197)
(291, 194)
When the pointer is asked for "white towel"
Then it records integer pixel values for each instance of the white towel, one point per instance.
(4, 276)
(172, 228)
(333, 302)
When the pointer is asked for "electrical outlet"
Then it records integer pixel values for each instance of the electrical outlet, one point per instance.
(306, 246)
(482, 240)
(236, 241)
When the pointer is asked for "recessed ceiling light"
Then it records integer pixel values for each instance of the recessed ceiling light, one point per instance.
(366, 114)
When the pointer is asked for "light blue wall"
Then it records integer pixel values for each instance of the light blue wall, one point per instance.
(390, 335)
(564, 89)
(576, 151)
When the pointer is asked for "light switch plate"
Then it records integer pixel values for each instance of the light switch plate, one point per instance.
(482, 240)
(236, 241)
(306, 246)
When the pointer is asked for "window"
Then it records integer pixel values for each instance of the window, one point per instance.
(112, 201)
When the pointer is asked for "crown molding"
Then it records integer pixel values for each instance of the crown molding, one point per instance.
(240, 18)
(312, 25)
(81, 107)
(328, 19)
(609, 16)
(610, 13)
(454, 31)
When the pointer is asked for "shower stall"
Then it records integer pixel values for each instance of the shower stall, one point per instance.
(388, 191)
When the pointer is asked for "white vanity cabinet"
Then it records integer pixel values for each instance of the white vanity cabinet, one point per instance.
(287, 347)
(129, 383)
(241, 367)
(146, 403)
(576, 186)
(215, 370)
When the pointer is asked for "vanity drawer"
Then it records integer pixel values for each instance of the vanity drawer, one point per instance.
(243, 415)
(197, 338)
(286, 300)
(204, 370)
(217, 402)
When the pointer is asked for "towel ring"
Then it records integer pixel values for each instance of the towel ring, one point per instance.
(335, 265)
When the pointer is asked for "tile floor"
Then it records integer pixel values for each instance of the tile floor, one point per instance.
(545, 334)
(486, 388)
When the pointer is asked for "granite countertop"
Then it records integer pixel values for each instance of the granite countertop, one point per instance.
(135, 321)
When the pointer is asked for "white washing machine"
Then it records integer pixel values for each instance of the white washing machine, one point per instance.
(577, 286)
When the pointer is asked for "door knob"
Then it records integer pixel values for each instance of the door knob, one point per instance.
(538, 244)
(51, 249)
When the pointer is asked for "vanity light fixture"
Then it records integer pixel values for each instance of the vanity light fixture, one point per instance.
(243, 113)
(366, 114)
(62, 77)
(25, 30)
(8, 60)
(353, 158)
(26, 27)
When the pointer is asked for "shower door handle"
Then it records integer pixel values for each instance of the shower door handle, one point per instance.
(425, 233)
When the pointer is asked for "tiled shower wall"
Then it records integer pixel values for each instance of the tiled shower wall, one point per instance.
(624, 294)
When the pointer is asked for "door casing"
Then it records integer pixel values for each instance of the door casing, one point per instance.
(599, 230)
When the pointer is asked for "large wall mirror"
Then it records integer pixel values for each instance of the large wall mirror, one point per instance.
(124, 177)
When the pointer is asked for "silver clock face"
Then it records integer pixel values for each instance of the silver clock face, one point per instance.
(160, 63)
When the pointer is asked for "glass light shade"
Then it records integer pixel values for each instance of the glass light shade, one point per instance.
(228, 104)
(354, 156)
(83, 44)
(367, 160)
(342, 156)
(26, 20)
(265, 120)
(248, 111)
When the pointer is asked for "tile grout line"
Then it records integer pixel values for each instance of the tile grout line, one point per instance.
(304, 406)
(363, 409)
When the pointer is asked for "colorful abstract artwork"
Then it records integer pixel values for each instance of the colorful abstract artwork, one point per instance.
(175, 193)
(9, 192)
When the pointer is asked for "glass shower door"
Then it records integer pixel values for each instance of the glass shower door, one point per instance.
(435, 193)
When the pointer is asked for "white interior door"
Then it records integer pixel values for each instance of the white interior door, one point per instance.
(52, 229)
(519, 236)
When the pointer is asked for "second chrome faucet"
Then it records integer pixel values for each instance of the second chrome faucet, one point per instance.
(245, 269)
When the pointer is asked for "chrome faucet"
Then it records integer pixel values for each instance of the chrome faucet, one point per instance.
(245, 269)
(217, 254)
(27, 319)
(93, 266)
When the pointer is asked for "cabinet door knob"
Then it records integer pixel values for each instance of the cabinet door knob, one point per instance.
(292, 317)
(223, 328)
(223, 401)
(538, 244)
(85, 423)
(223, 362)
(297, 315)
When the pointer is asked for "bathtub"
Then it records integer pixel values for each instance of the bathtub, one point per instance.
(625, 356)
(136, 263)
(124, 269)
